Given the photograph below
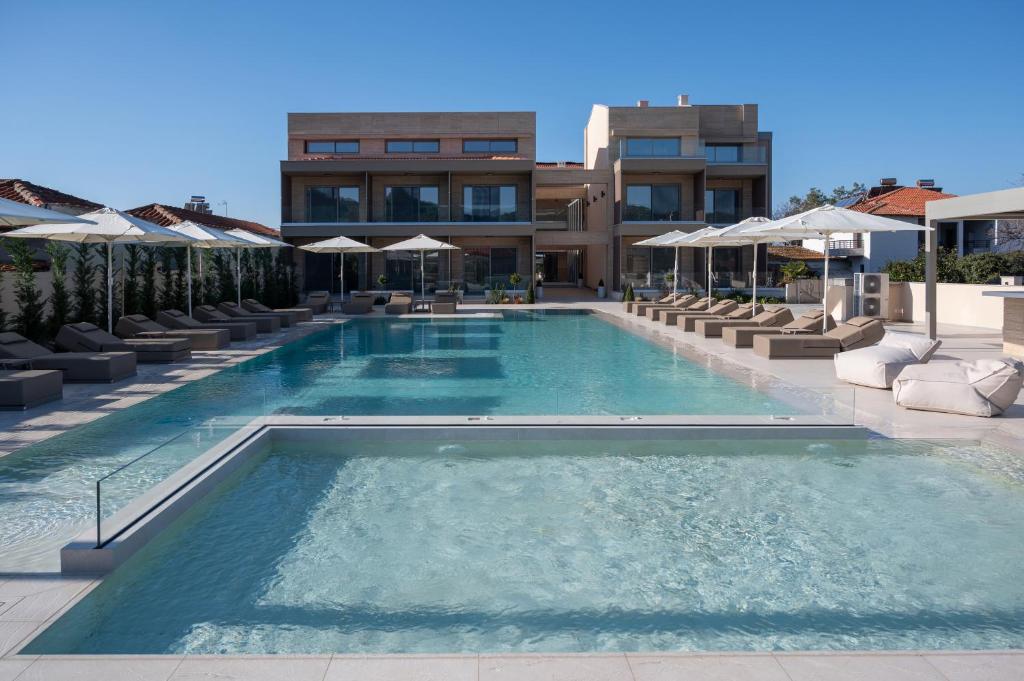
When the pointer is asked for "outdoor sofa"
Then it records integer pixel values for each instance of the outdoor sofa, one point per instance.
(295, 314)
(983, 387)
(359, 303)
(233, 309)
(444, 303)
(317, 301)
(86, 337)
(879, 365)
(141, 326)
(400, 303)
(26, 388)
(743, 336)
(859, 332)
(770, 316)
(77, 367)
(238, 330)
(672, 317)
(211, 314)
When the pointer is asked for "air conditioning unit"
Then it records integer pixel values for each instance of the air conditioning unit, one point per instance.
(871, 295)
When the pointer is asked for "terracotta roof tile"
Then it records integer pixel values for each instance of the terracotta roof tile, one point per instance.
(38, 195)
(164, 215)
(796, 253)
(905, 201)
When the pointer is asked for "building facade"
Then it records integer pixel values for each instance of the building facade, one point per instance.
(473, 179)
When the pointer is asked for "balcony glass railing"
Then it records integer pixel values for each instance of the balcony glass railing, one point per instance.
(733, 155)
(660, 148)
(440, 213)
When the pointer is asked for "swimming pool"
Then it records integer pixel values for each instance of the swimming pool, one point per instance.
(541, 362)
(448, 546)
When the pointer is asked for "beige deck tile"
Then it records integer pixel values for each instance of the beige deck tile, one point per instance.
(554, 668)
(403, 668)
(861, 667)
(980, 666)
(254, 668)
(706, 667)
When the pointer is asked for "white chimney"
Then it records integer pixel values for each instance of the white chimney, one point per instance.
(642, 103)
(682, 100)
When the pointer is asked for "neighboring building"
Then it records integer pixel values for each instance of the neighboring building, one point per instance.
(165, 215)
(197, 203)
(45, 197)
(473, 179)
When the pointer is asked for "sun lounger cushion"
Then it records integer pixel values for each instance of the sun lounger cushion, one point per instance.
(176, 319)
(875, 367)
(984, 387)
(922, 347)
(78, 367)
(27, 388)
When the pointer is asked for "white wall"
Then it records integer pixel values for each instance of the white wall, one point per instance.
(960, 304)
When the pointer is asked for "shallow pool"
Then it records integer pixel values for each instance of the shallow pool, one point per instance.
(376, 547)
(553, 362)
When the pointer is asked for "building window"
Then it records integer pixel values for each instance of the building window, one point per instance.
(489, 203)
(723, 153)
(722, 206)
(410, 204)
(490, 146)
(332, 204)
(484, 267)
(645, 267)
(332, 147)
(413, 146)
(652, 146)
(652, 203)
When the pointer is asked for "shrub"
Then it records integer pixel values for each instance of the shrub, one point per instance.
(514, 279)
(496, 295)
(795, 269)
(84, 280)
(148, 300)
(28, 320)
(60, 299)
(130, 293)
(531, 295)
(628, 296)
(977, 268)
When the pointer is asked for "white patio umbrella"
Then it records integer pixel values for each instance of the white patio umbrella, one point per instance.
(342, 245)
(665, 241)
(251, 241)
(107, 226)
(824, 221)
(740, 234)
(423, 244)
(203, 237)
(17, 214)
(693, 240)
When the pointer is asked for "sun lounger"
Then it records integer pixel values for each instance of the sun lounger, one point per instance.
(141, 326)
(859, 332)
(233, 309)
(263, 324)
(26, 388)
(295, 314)
(772, 316)
(984, 387)
(879, 365)
(400, 303)
(238, 330)
(742, 312)
(672, 317)
(681, 303)
(317, 301)
(444, 303)
(86, 337)
(630, 305)
(77, 367)
(360, 303)
(743, 336)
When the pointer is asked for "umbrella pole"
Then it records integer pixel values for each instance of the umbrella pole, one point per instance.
(341, 276)
(423, 284)
(824, 300)
(238, 274)
(675, 275)
(753, 297)
(110, 287)
(711, 255)
(188, 265)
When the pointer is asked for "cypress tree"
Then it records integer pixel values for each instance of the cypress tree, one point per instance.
(167, 278)
(133, 260)
(148, 303)
(180, 285)
(28, 320)
(60, 298)
(84, 282)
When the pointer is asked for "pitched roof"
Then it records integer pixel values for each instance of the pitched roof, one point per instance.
(795, 253)
(164, 215)
(905, 201)
(37, 195)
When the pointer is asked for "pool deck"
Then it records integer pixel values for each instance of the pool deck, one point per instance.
(30, 602)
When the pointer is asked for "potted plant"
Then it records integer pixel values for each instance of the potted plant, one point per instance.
(382, 283)
(628, 296)
(600, 288)
(531, 297)
(514, 279)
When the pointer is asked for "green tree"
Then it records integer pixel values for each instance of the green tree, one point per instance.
(84, 282)
(225, 278)
(166, 278)
(250, 277)
(28, 320)
(148, 302)
(60, 298)
(629, 296)
(101, 291)
(180, 283)
(131, 293)
(816, 197)
(795, 269)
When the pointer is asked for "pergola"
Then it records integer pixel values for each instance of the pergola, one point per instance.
(1007, 204)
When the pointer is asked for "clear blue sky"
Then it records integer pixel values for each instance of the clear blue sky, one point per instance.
(134, 102)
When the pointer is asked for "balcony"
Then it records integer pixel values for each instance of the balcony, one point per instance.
(432, 220)
(847, 247)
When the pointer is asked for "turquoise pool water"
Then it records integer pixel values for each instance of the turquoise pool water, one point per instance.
(520, 363)
(374, 547)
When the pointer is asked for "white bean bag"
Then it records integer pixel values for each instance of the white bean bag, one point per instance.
(984, 387)
(879, 365)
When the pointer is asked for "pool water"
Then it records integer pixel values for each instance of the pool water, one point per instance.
(383, 547)
(550, 362)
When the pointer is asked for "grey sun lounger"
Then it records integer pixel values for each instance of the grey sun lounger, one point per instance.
(360, 303)
(295, 314)
(141, 326)
(743, 336)
(236, 311)
(859, 332)
(444, 303)
(211, 314)
(770, 316)
(86, 337)
(682, 302)
(317, 301)
(77, 367)
(27, 388)
(742, 312)
(658, 312)
(176, 319)
(400, 303)
(673, 317)
(630, 305)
